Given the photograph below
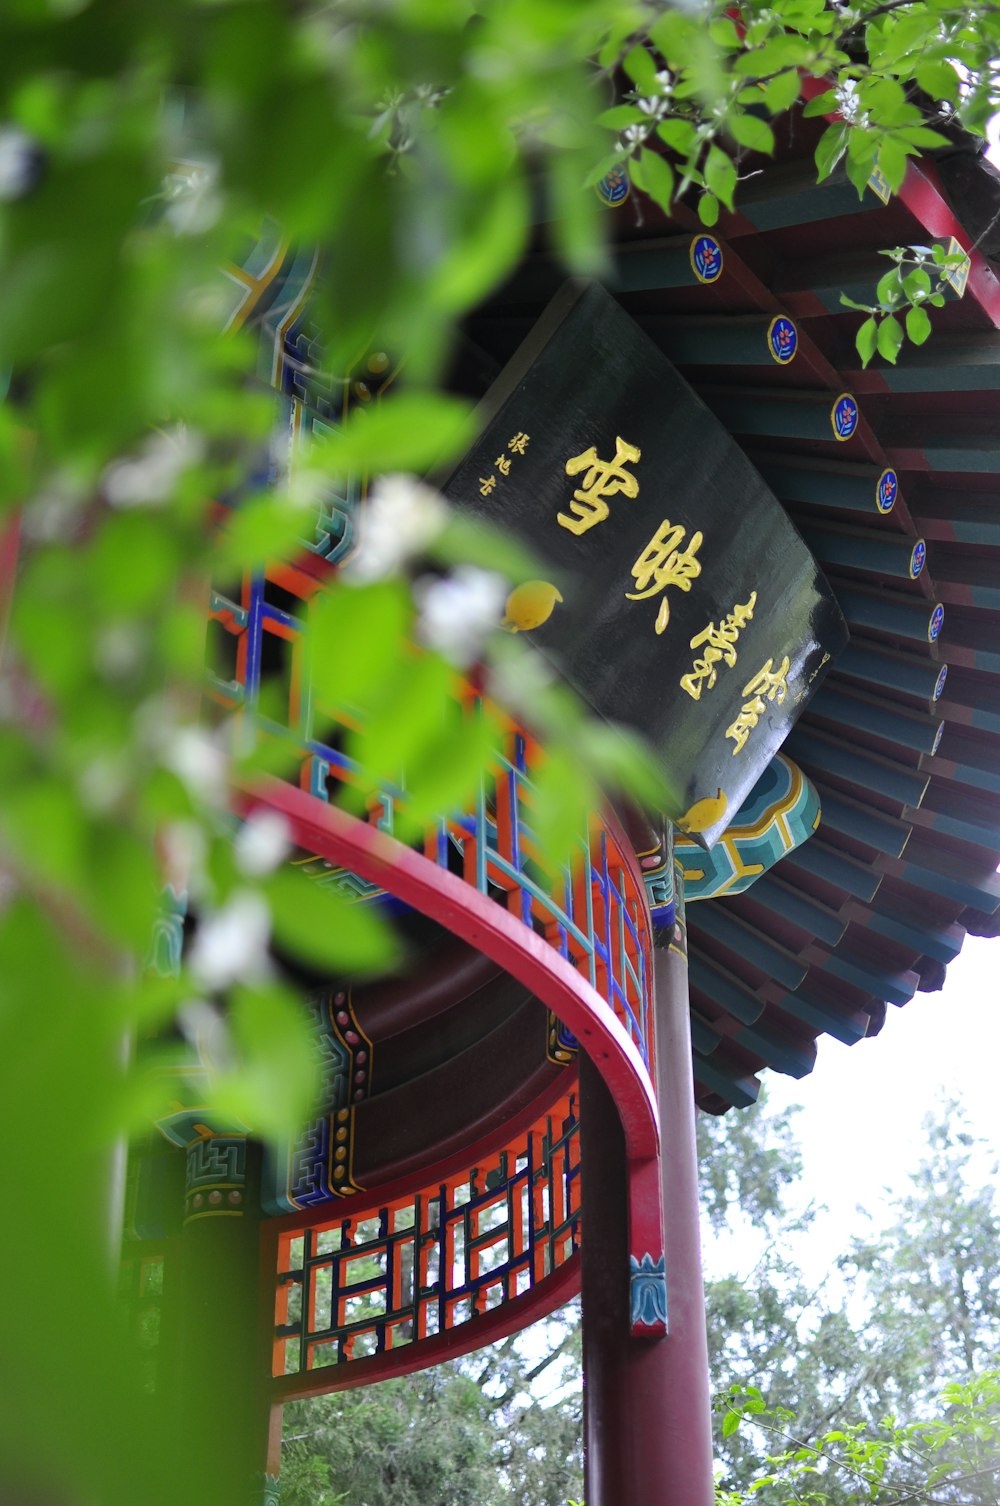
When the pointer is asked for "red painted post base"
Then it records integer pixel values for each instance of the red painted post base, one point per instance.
(647, 1410)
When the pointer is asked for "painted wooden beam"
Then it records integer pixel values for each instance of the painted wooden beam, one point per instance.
(817, 750)
(789, 195)
(920, 677)
(836, 868)
(946, 452)
(795, 1058)
(942, 942)
(724, 989)
(788, 415)
(888, 611)
(847, 1025)
(959, 518)
(739, 1089)
(892, 988)
(736, 340)
(744, 941)
(791, 905)
(883, 719)
(863, 823)
(947, 874)
(647, 266)
(865, 549)
(969, 362)
(848, 486)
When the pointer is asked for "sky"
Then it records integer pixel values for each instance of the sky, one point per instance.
(862, 1105)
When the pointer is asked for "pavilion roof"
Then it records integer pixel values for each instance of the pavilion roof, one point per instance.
(906, 758)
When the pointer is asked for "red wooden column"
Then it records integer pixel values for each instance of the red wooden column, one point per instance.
(647, 1411)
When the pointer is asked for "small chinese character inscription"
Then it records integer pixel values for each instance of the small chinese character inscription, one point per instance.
(519, 443)
(502, 463)
(768, 684)
(665, 563)
(486, 485)
(602, 479)
(719, 644)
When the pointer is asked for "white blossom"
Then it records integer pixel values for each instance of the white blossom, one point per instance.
(205, 1027)
(19, 162)
(149, 478)
(230, 945)
(193, 199)
(184, 848)
(457, 611)
(262, 842)
(400, 518)
(198, 761)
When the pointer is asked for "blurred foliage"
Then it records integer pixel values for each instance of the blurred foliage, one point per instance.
(948, 1459)
(417, 144)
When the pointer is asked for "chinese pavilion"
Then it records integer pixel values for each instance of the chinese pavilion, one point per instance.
(513, 1120)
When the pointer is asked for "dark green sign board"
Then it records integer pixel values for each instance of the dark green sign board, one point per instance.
(677, 597)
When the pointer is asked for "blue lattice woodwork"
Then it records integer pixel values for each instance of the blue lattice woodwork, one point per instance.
(388, 1274)
(593, 912)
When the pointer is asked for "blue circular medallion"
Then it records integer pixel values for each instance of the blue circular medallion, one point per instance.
(936, 624)
(844, 416)
(782, 339)
(613, 187)
(939, 687)
(886, 491)
(706, 258)
(937, 739)
(917, 558)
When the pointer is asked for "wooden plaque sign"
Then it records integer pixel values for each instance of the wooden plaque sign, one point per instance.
(677, 597)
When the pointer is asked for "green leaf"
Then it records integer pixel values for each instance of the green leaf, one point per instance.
(865, 340)
(408, 431)
(324, 930)
(918, 325)
(890, 338)
(278, 1082)
(720, 175)
(830, 148)
(780, 93)
(490, 246)
(750, 131)
(723, 33)
(889, 291)
(939, 80)
(730, 1424)
(916, 283)
(641, 69)
(708, 209)
(620, 116)
(892, 160)
(821, 104)
(678, 134)
(375, 621)
(658, 179)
